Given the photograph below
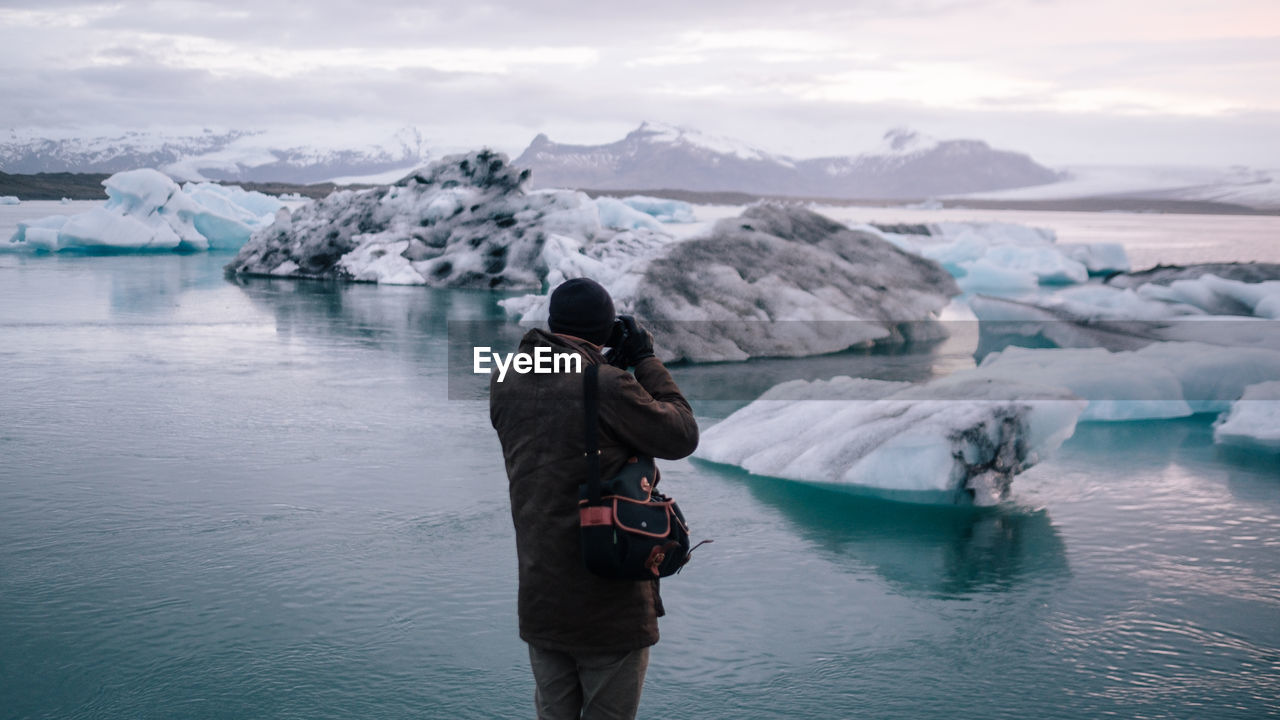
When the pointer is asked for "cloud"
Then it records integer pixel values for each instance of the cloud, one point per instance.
(499, 71)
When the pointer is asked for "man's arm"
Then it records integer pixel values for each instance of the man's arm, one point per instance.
(647, 411)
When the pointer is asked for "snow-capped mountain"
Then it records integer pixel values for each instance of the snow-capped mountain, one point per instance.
(655, 156)
(234, 155)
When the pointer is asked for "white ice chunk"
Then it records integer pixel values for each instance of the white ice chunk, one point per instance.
(1118, 386)
(139, 192)
(145, 210)
(380, 262)
(1218, 296)
(662, 209)
(1253, 421)
(621, 216)
(1098, 258)
(1161, 380)
(1007, 258)
(1212, 376)
(9, 200)
(101, 227)
(983, 274)
(961, 437)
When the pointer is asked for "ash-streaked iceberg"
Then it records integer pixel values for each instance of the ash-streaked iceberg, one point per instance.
(1253, 422)
(464, 221)
(959, 439)
(145, 210)
(777, 281)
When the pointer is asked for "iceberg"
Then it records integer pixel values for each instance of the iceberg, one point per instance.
(1205, 308)
(145, 210)
(1008, 258)
(9, 200)
(622, 216)
(1098, 258)
(777, 281)
(1161, 380)
(1214, 295)
(1253, 421)
(1164, 274)
(960, 439)
(662, 209)
(464, 221)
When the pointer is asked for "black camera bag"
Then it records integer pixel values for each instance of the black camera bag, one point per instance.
(629, 530)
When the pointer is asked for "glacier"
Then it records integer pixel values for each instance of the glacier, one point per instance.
(960, 439)
(145, 210)
(1253, 421)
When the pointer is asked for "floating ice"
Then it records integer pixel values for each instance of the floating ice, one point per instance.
(463, 221)
(1212, 376)
(9, 200)
(962, 437)
(1164, 274)
(1206, 308)
(1098, 258)
(622, 216)
(145, 210)
(777, 281)
(662, 209)
(1218, 296)
(1004, 257)
(1253, 422)
(1118, 386)
(1161, 380)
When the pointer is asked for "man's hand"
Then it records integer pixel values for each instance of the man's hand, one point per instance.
(636, 344)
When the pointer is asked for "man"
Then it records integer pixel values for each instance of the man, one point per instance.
(588, 636)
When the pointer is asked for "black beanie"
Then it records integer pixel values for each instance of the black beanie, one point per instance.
(582, 308)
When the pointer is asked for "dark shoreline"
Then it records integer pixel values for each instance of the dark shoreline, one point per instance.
(88, 186)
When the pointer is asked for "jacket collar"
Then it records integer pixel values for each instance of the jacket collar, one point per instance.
(538, 336)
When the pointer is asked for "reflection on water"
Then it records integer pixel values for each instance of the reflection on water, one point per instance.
(931, 550)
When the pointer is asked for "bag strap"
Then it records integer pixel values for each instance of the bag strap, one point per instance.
(591, 431)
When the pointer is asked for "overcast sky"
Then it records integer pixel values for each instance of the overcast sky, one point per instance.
(1069, 81)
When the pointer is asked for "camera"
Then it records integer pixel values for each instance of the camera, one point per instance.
(617, 335)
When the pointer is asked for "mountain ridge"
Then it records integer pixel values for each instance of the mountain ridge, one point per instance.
(654, 155)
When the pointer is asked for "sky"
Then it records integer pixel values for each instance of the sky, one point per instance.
(1170, 82)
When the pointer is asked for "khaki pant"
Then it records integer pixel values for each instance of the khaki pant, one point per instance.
(573, 686)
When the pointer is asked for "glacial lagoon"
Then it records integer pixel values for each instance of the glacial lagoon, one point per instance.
(256, 498)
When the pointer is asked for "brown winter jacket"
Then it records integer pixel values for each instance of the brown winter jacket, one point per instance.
(539, 419)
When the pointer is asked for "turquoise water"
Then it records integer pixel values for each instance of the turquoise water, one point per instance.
(256, 500)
